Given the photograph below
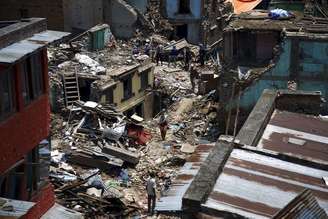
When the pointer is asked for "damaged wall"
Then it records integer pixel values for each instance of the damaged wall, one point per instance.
(114, 93)
(197, 21)
(308, 69)
(250, 48)
(61, 15)
(121, 17)
(140, 5)
(173, 10)
(186, 19)
(81, 15)
(17, 9)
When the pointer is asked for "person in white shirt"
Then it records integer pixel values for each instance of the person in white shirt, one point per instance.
(151, 191)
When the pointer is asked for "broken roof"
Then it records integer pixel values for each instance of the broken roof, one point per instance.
(111, 76)
(260, 20)
(258, 186)
(304, 205)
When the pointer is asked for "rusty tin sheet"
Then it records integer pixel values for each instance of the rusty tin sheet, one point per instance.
(172, 200)
(259, 186)
(297, 135)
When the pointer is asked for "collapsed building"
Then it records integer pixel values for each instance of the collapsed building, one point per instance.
(276, 162)
(110, 77)
(96, 79)
(127, 88)
(261, 53)
(311, 8)
(196, 21)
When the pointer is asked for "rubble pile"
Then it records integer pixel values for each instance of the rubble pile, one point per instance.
(86, 140)
(79, 140)
(101, 158)
(160, 25)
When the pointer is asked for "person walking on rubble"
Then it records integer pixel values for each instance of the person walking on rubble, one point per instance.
(151, 192)
(202, 54)
(173, 55)
(159, 54)
(147, 49)
(187, 58)
(163, 125)
(193, 75)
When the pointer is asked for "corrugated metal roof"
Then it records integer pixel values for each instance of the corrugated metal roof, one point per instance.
(172, 201)
(304, 206)
(297, 135)
(258, 186)
(240, 6)
(16, 51)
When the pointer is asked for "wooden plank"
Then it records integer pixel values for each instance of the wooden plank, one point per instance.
(125, 155)
(95, 162)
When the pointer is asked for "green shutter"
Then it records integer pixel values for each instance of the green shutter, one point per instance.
(97, 40)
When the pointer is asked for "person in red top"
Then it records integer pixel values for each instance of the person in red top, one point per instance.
(163, 125)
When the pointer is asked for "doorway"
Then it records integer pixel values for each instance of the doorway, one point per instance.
(182, 31)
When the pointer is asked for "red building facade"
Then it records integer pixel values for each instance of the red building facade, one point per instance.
(25, 122)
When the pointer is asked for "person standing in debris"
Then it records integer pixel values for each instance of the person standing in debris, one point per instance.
(159, 54)
(152, 52)
(163, 125)
(151, 192)
(187, 58)
(147, 49)
(173, 55)
(202, 54)
(135, 50)
(193, 75)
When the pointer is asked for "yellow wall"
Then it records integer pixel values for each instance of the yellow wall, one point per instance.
(138, 97)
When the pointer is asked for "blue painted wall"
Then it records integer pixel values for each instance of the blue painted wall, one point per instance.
(172, 7)
(312, 74)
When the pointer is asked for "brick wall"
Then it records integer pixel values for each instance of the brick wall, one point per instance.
(24, 130)
(44, 200)
(52, 10)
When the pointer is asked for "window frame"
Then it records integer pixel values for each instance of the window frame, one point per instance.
(26, 86)
(8, 77)
(109, 94)
(32, 77)
(144, 80)
(12, 181)
(37, 74)
(129, 86)
(32, 170)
